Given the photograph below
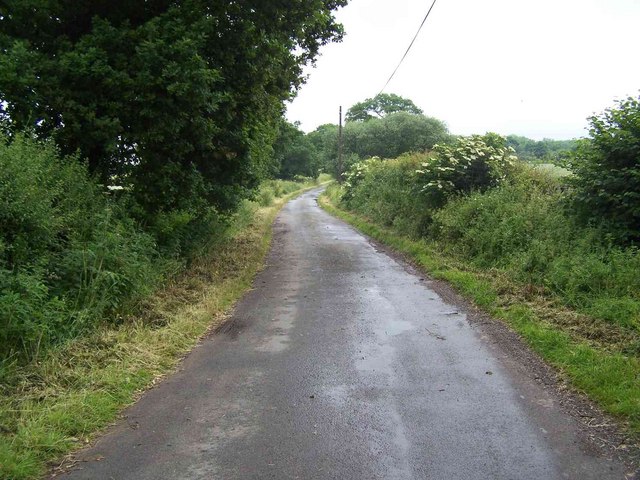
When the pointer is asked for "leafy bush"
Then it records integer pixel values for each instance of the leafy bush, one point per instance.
(607, 170)
(524, 228)
(471, 163)
(183, 98)
(68, 254)
(356, 174)
(388, 192)
(521, 225)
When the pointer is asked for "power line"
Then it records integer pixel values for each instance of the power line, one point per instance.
(409, 47)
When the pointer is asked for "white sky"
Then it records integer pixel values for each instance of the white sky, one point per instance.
(537, 68)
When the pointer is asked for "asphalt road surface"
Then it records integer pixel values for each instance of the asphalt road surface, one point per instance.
(342, 363)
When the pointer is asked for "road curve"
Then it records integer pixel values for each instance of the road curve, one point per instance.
(343, 364)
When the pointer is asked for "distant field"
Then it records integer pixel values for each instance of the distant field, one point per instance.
(554, 170)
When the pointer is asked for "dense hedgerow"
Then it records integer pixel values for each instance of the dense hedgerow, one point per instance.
(525, 228)
(69, 255)
(405, 192)
(388, 192)
(72, 256)
(513, 217)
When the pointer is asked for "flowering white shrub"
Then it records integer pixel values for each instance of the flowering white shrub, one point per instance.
(471, 163)
(356, 174)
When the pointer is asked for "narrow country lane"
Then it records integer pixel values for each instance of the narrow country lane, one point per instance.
(342, 363)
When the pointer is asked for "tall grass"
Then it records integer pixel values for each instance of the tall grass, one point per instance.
(69, 255)
(524, 228)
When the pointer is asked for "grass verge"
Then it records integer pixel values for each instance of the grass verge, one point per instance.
(602, 371)
(57, 404)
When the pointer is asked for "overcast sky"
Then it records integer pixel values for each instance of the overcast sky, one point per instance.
(534, 68)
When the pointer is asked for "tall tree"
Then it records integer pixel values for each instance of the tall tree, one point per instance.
(393, 135)
(379, 106)
(294, 152)
(606, 170)
(181, 99)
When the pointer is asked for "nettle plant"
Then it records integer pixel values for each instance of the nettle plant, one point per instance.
(474, 163)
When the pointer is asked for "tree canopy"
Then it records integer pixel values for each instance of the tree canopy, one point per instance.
(606, 170)
(393, 135)
(387, 137)
(294, 153)
(379, 106)
(179, 100)
(545, 150)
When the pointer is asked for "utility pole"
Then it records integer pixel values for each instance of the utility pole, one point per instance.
(340, 147)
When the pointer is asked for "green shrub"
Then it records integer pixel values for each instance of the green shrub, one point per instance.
(606, 171)
(69, 256)
(492, 226)
(523, 227)
(388, 192)
(356, 174)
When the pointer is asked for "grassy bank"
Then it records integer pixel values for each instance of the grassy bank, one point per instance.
(593, 354)
(54, 405)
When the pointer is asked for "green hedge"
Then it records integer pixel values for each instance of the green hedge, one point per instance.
(524, 226)
(69, 255)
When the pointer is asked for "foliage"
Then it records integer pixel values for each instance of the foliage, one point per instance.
(56, 404)
(388, 192)
(179, 100)
(381, 105)
(541, 151)
(523, 228)
(294, 153)
(394, 135)
(387, 138)
(325, 141)
(356, 174)
(69, 256)
(471, 163)
(600, 366)
(606, 171)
